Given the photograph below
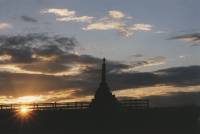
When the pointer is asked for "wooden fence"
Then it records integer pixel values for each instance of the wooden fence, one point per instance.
(47, 106)
(131, 104)
(127, 104)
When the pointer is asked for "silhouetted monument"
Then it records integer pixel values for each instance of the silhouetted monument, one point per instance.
(104, 100)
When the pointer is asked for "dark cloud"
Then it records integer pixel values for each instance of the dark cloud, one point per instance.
(150, 61)
(171, 99)
(181, 76)
(35, 52)
(53, 54)
(36, 41)
(45, 67)
(22, 84)
(81, 59)
(29, 19)
(136, 55)
(16, 84)
(175, 99)
(87, 81)
(176, 77)
(33, 48)
(30, 51)
(193, 38)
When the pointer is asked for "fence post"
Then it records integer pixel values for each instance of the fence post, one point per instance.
(55, 107)
(11, 106)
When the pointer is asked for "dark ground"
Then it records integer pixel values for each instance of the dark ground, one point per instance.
(155, 121)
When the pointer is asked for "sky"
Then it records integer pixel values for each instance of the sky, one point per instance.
(52, 50)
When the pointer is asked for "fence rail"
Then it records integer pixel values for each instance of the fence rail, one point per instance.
(128, 104)
(46, 106)
(131, 104)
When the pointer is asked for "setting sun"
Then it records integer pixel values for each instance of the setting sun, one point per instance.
(24, 111)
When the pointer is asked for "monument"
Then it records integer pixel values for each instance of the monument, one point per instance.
(104, 100)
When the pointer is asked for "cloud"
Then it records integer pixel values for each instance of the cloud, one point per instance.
(59, 12)
(67, 15)
(182, 56)
(28, 19)
(77, 19)
(117, 26)
(86, 82)
(116, 14)
(24, 46)
(64, 75)
(38, 64)
(155, 60)
(4, 25)
(48, 63)
(193, 38)
(136, 55)
(114, 20)
(188, 37)
(104, 26)
(163, 95)
(35, 52)
(161, 32)
(118, 21)
(141, 27)
(45, 67)
(176, 99)
(159, 60)
(52, 96)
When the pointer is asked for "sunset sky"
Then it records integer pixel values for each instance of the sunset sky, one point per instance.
(51, 50)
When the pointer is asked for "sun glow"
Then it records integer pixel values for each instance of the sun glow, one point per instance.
(28, 99)
(24, 111)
